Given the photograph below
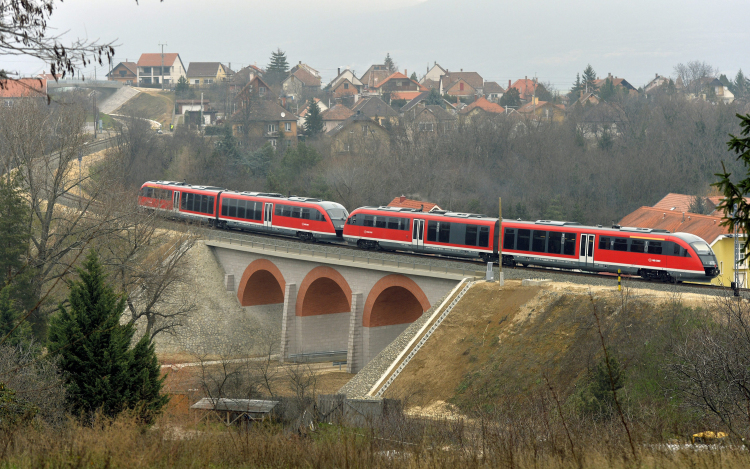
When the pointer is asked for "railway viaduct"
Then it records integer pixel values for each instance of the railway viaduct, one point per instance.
(336, 303)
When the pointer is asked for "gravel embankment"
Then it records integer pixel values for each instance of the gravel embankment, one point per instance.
(360, 385)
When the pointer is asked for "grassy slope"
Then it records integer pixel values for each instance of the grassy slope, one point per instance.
(497, 345)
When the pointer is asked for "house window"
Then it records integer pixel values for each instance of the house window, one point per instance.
(123, 73)
(147, 70)
(347, 147)
(346, 86)
(288, 126)
(364, 128)
(398, 83)
(461, 86)
(262, 90)
(196, 82)
(273, 142)
(209, 81)
(426, 126)
(273, 128)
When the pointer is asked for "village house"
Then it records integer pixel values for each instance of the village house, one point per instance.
(656, 83)
(492, 91)
(461, 84)
(124, 72)
(433, 74)
(12, 91)
(525, 88)
(401, 84)
(715, 90)
(619, 83)
(481, 108)
(359, 135)
(244, 76)
(542, 110)
(335, 116)
(345, 84)
(264, 121)
(435, 119)
(307, 68)
(376, 109)
(374, 76)
(207, 73)
(300, 83)
(154, 69)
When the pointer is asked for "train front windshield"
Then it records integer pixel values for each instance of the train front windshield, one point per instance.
(702, 248)
(337, 213)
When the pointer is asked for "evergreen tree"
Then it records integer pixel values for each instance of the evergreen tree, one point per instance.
(608, 91)
(434, 98)
(589, 75)
(14, 329)
(313, 120)
(413, 76)
(511, 98)
(14, 243)
(597, 397)
(101, 372)
(389, 64)
(577, 87)
(278, 67)
(182, 89)
(741, 85)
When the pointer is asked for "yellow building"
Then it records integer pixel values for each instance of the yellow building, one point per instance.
(706, 227)
(207, 73)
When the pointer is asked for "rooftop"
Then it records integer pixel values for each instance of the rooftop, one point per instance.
(704, 226)
(155, 60)
(338, 112)
(203, 69)
(484, 105)
(403, 202)
(23, 88)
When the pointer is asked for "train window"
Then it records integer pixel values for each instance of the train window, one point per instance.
(540, 241)
(393, 223)
(405, 224)
(685, 252)
(352, 220)
(675, 250)
(381, 222)
(240, 209)
(604, 243)
(369, 220)
(569, 244)
(305, 213)
(258, 211)
(232, 209)
(224, 206)
(523, 240)
(470, 239)
(444, 235)
(431, 231)
(637, 245)
(484, 236)
(701, 248)
(296, 211)
(654, 247)
(620, 244)
(211, 200)
(509, 240)
(554, 244)
(286, 210)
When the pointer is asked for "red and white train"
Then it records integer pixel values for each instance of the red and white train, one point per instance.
(652, 254)
(305, 218)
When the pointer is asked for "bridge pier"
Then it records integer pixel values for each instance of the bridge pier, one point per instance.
(288, 326)
(354, 351)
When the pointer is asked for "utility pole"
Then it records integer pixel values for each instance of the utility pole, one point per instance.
(161, 71)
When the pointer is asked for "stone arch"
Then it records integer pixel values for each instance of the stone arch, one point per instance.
(323, 291)
(394, 299)
(262, 284)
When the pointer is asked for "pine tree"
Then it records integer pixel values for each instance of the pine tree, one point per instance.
(14, 329)
(101, 372)
(608, 91)
(511, 98)
(413, 76)
(14, 243)
(313, 120)
(577, 86)
(145, 374)
(277, 68)
(589, 75)
(741, 85)
(389, 64)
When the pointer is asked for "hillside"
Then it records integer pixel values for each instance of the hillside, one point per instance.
(498, 344)
(152, 104)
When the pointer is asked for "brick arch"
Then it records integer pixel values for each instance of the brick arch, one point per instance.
(323, 291)
(394, 299)
(261, 284)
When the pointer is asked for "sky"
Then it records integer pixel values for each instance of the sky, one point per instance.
(501, 40)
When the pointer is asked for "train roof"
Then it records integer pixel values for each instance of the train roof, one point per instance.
(579, 226)
(186, 185)
(443, 213)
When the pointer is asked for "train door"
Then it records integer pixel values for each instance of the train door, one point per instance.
(176, 201)
(268, 217)
(417, 233)
(586, 255)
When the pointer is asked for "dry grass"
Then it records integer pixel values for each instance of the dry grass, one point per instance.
(151, 104)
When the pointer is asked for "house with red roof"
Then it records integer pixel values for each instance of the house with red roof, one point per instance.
(398, 82)
(345, 84)
(335, 116)
(403, 202)
(619, 83)
(154, 69)
(22, 88)
(542, 110)
(374, 76)
(525, 88)
(481, 107)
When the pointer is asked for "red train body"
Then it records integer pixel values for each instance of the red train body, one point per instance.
(306, 218)
(648, 253)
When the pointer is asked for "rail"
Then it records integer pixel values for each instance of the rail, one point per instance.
(350, 256)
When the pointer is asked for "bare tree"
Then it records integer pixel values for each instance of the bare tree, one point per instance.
(693, 75)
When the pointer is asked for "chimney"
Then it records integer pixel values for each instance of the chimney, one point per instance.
(339, 69)
(526, 77)
(508, 85)
(462, 70)
(401, 199)
(664, 215)
(656, 75)
(683, 216)
(300, 62)
(435, 62)
(406, 72)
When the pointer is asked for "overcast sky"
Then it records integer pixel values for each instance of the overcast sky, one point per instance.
(502, 40)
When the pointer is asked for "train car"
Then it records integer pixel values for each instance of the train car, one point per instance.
(646, 252)
(305, 218)
(445, 233)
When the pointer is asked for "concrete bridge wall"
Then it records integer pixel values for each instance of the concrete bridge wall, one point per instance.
(341, 308)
